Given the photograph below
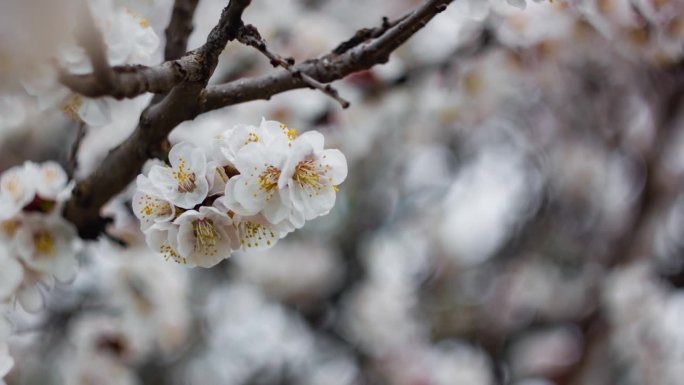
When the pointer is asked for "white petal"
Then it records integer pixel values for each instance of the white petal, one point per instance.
(314, 138)
(11, 276)
(65, 268)
(30, 298)
(337, 164)
(248, 194)
(521, 4)
(95, 112)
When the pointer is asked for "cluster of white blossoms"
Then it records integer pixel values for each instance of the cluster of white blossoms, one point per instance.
(258, 184)
(129, 40)
(37, 245)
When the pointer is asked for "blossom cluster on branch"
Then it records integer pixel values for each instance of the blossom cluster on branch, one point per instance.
(257, 185)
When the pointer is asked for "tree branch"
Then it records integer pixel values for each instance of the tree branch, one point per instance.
(90, 38)
(327, 68)
(249, 35)
(190, 98)
(179, 29)
(124, 162)
(131, 81)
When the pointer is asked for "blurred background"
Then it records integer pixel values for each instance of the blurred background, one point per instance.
(513, 212)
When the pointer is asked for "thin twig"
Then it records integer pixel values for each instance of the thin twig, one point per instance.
(365, 34)
(72, 161)
(249, 35)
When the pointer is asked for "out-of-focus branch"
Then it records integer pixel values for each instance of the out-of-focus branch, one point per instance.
(90, 38)
(133, 80)
(190, 98)
(327, 68)
(179, 28)
(660, 190)
(124, 162)
(249, 35)
(72, 161)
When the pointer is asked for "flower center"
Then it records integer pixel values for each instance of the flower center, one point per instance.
(9, 227)
(13, 187)
(169, 253)
(251, 138)
(268, 180)
(71, 106)
(253, 233)
(291, 133)
(154, 207)
(185, 179)
(43, 243)
(308, 174)
(206, 236)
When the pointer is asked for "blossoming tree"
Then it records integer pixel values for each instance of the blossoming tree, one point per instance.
(409, 192)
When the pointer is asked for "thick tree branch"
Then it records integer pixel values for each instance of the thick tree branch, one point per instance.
(179, 28)
(124, 162)
(131, 81)
(327, 68)
(190, 98)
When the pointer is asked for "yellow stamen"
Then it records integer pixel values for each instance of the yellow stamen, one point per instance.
(71, 106)
(206, 236)
(43, 243)
(186, 180)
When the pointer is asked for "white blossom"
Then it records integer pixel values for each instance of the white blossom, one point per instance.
(6, 361)
(11, 274)
(184, 183)
(162, 238)
(228, 143)
(205, 237)
(256, 188)
(310, 176)
(17, 189)
(149, 206)
(51, 181)
(46, 244)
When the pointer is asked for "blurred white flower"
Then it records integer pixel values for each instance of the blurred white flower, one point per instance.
(17, 189)
(6, 361)
(51, 181)
(11, 275)
(47, 245)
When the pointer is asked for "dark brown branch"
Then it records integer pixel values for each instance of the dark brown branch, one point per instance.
(131, 81)
(179, 29)
(365, 34)
(189, 98)
(249, 35)
(328, 68)
(124, 162)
